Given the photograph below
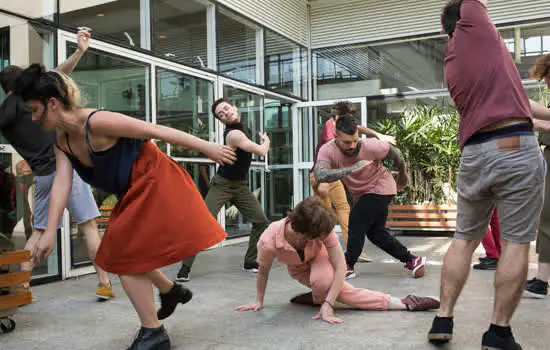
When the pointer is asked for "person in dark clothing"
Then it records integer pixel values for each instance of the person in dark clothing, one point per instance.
(231, 183)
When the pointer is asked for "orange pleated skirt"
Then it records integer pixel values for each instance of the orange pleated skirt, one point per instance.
(161, 220)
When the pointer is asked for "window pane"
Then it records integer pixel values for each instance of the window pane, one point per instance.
(280, 193)
(183, 103)
(112, 82)
(236, 40)
(284, 68)
(179, 31)
(118, 20)
(278, 126)
(362, 70)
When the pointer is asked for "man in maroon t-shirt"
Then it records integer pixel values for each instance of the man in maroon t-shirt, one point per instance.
(501, 165)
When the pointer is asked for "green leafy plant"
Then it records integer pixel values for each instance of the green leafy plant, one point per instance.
(428, 138)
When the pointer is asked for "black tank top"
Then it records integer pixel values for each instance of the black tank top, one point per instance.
(239, 169)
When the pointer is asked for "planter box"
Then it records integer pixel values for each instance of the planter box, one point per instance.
(9, 299)
(422, 217)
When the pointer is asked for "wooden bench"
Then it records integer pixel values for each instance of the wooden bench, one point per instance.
(422, 217)
(10, 298)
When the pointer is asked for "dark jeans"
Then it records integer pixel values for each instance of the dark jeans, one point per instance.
(236, 192)
(369, 216)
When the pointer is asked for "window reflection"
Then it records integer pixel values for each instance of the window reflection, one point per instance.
(183, 103)
(236, 40)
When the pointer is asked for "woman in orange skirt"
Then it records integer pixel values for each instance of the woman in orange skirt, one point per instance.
(148, 228)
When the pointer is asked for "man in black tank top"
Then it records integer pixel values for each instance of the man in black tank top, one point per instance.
(231, 183)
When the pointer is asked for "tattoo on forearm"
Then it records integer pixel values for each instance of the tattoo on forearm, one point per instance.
(323, 173)
(395, 155)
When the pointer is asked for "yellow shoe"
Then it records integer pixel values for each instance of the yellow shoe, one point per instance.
(104, 292)
(364, 258)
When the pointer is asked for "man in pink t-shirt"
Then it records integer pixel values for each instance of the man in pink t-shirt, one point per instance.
(501, 166)
(307, 244)
(358, 163)
(334, 194)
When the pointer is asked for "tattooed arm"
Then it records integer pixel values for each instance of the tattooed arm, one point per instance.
(324, 173)
(396, 157)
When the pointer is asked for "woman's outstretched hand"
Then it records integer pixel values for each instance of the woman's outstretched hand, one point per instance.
(220, 154)
(327, 314)
(257, 306)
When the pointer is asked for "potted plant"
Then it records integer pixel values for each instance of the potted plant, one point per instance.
(428, 138)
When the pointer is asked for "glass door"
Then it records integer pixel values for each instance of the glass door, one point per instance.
(310, 118)
(117, 83)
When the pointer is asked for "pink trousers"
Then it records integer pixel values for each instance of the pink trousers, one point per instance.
(318, 275)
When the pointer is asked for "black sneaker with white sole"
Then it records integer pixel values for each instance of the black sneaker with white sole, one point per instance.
(183, 274)
(441, 331)
(250, 267)
(536, 288)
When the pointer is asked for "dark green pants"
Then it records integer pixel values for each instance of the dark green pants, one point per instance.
(237, 193)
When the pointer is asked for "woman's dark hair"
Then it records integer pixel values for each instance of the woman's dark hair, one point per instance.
(343, 108)
(8, 77)
(217, 103)
(35, 83)
(313, 218)
(541, 69)
(450, 15)
(346, 124)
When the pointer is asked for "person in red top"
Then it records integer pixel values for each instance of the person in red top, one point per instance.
(334, 194)
(501, 165)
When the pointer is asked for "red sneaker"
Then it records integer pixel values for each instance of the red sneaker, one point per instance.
(416, 266)
(416, 303)
(350, 274)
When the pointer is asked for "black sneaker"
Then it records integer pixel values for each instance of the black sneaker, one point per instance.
(151, 339)
(169, 301)
(536, 288)
(491, 341)
(487, 264)
(250, 267)
(183, 274)
(442, 330)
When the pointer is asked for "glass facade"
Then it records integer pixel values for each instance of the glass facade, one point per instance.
(118, 21)
(183, 103)
(408, 66)
(363, 70)
(236, 40)
(112, 82)
(179, 31)
(285, 65)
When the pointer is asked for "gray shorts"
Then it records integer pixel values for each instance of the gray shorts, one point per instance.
(507, 172)
(81, 204)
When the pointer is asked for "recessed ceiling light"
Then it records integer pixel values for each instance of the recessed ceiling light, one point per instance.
(100, 15)
(162, 36)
